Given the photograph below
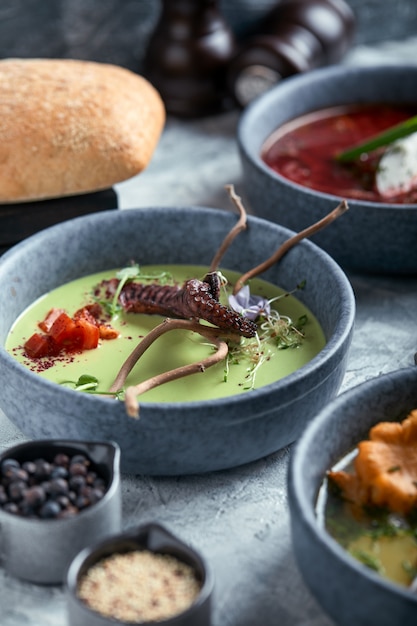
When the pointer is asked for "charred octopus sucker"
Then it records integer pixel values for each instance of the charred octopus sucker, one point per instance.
(195, 299)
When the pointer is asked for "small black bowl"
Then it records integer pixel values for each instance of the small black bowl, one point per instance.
(152, 537)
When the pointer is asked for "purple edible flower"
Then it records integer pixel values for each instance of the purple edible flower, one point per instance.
(249, 306)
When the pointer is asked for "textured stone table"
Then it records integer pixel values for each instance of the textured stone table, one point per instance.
(239, 518)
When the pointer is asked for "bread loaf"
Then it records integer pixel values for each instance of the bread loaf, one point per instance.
(70, 127)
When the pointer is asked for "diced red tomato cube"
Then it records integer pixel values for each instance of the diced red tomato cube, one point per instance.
(62, 330)
(63, 333)
(89, 334)
(50, 318)
(88, 327)
(39, 345)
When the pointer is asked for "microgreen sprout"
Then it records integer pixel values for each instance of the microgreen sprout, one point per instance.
(89, 384)
(124, 275)
(282, 330)
(223, 280)
(257, 355)
(162, 277)
(86, 382)
(273, 329)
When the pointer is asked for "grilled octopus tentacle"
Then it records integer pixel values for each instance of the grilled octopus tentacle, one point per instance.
(196, 299)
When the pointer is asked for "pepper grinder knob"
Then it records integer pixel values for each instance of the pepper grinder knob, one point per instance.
(187, 57)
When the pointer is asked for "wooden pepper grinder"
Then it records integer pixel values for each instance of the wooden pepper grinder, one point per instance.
(295, 36)
(187, 57)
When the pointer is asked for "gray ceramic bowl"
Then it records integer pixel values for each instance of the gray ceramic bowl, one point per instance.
(178, 437)
(370, 237)
(350, 592)
(155, 538)
(40, 550)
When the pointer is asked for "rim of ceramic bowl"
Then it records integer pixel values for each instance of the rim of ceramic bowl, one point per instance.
(251, 137)
(292, 383)
(304, 501)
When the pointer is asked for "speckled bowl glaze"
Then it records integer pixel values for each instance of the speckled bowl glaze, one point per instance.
(40, 550)
(370, 237)
(155, 538)
(348, 591)
(177, 437)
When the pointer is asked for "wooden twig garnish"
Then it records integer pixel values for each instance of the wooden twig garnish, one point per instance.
(131, 403)
(237, 228)
(289, 243)
(215, 335)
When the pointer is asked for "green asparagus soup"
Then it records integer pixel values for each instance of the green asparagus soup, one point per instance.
(277, 351)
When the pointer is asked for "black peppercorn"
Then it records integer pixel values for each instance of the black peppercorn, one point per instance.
(50, 509)
(59, 472)
(58, 487)
(35, 496)
(61, 459)
(49, 490)
(16, 490)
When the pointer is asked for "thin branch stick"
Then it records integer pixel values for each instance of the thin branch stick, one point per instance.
(168, 324)
(237, 228)
(137, 352)
(292, 241)
(131, 402)
(213, 334)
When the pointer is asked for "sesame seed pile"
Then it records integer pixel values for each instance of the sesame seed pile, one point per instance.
(139, 586)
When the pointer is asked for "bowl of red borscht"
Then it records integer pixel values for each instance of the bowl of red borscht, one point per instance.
(288, 141)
